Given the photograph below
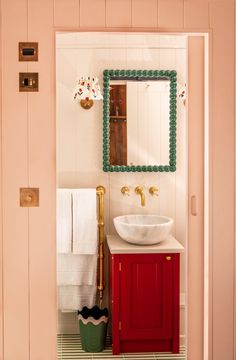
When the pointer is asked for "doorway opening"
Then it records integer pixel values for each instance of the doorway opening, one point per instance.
(79, 148)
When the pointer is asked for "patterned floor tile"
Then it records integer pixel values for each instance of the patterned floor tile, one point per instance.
(69, 348)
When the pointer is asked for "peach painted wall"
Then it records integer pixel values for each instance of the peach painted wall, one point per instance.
(195, 273)
(27, 249)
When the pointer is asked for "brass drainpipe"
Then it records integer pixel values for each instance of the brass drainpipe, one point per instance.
(100, 195)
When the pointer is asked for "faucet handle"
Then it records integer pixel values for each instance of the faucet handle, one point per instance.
(153, 190)
(125, 190)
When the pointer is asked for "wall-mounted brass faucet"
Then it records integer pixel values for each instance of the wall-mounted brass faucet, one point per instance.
(125, 190)
(139, 191)
(153, 190)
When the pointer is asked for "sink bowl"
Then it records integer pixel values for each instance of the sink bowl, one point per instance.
(143, 229)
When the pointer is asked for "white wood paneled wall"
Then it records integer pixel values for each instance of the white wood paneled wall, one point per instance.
(79, 132)
(79, 140)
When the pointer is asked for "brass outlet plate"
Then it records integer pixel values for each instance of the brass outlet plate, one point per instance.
(29, 197)
(28, 81)
(28, 51)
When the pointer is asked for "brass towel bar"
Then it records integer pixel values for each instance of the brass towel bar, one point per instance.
(100, 201)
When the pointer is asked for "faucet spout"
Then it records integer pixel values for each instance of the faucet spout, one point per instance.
(139, 191)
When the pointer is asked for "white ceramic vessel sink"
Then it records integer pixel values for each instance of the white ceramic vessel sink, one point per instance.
(143, 229)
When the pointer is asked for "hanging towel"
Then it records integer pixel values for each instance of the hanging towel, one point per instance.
(64, 221)
(73, 298)
(76, 269)
(84, 221)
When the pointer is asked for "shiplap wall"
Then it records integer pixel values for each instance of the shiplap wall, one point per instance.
(79, 132)
(27, 251)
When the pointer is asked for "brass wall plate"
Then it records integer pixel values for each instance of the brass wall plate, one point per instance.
(28, 81)
(29, 197)
(28, 51)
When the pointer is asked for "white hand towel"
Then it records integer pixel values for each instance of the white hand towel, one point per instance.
(76, 269)
(75, 297)
(64, 221)
(84, 221)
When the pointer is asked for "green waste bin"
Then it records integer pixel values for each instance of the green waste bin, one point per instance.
(93, 328)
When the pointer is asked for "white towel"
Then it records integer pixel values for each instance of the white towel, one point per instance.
(84, 221)
(76, 269)
(75, 297)
(64, 221)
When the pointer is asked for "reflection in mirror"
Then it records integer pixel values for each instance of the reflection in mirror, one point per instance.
(139, 129)
(118, 123)
(148, 115)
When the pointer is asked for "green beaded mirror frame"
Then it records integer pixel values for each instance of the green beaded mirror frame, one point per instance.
(170, 75)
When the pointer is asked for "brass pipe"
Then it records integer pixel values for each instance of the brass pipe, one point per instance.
(100, 190)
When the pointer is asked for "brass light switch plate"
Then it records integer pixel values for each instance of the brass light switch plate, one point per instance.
(28, 51)
(29, 197)
(28, 81)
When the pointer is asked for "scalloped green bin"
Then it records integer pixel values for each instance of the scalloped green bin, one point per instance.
(93, 337)
(93, 328)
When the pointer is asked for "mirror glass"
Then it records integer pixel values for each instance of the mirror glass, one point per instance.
(139, 120)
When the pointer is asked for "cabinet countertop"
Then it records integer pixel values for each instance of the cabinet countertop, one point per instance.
(119, 246)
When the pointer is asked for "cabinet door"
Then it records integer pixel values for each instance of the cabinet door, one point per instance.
(146, 296)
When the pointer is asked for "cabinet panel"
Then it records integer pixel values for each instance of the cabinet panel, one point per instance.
(146, 297)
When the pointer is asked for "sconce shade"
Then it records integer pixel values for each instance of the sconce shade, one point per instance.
(86, 90)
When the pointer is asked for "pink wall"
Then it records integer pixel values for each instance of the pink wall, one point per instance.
(28, 159)
(195, 273)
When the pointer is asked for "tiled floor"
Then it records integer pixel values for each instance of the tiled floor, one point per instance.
(69, 348)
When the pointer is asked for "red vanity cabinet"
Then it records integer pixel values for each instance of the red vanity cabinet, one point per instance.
(145, 302)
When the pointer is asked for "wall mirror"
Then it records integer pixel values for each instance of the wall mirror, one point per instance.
(139, 120)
